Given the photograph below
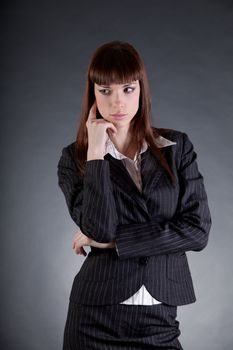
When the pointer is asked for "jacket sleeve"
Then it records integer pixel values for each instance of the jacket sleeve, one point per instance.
(90, 198)
(188, 229)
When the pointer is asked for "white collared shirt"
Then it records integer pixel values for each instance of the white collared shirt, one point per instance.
(142, 296)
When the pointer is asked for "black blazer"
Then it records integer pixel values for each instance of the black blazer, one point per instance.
(152, 229)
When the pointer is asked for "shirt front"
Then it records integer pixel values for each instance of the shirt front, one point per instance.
(142, 296)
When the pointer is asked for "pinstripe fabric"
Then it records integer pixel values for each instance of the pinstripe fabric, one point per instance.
(142, 296)
(153, 229)
(124, 327)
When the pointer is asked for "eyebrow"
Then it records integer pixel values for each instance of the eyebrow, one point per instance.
(123, 85)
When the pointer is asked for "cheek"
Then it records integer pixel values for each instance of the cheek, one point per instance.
(101, 102)
(135, 102)
(102, 106)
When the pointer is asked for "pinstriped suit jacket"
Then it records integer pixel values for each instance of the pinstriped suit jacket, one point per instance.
(153, 229)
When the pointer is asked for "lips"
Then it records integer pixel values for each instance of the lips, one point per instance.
(118, 115)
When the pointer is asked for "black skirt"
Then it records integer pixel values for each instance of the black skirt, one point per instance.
(119, 326)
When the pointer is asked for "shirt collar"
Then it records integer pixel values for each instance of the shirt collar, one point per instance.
(160, 141)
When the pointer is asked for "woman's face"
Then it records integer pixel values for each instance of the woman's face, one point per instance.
(117, 99)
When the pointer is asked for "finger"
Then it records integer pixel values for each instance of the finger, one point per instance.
(75, 240)
(77, 249)
(77, 236)
(92, 112)
(83, 252)
(111, 128)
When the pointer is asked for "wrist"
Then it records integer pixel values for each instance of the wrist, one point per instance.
(95, 155)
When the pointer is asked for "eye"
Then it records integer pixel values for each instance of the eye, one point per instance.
(131, 89)
(103, 91)
(127, 90)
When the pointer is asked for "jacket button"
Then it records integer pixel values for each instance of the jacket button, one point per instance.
(143, 260)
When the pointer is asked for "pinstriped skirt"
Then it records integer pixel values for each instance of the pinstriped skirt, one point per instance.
(119, 326)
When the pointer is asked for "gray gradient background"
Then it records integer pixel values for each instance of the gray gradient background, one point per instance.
(187, 50)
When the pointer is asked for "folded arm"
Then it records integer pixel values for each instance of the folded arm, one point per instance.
(188, 229)
(90, 198)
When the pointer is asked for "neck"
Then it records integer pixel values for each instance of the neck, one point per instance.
(122, 139)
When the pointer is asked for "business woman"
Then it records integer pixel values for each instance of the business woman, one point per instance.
(138, 199)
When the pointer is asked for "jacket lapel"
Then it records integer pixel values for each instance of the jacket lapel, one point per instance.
(150, 173)
(121, 177)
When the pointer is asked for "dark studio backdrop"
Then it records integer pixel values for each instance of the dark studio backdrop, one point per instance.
(46, 46)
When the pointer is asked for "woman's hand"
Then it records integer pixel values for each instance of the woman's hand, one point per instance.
(97, 134)
(81, 240)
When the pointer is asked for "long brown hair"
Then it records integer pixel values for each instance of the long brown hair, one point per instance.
(118, 62)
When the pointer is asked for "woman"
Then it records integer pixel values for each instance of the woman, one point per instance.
(139, 201)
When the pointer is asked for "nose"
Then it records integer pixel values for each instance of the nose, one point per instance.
(118, 100)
